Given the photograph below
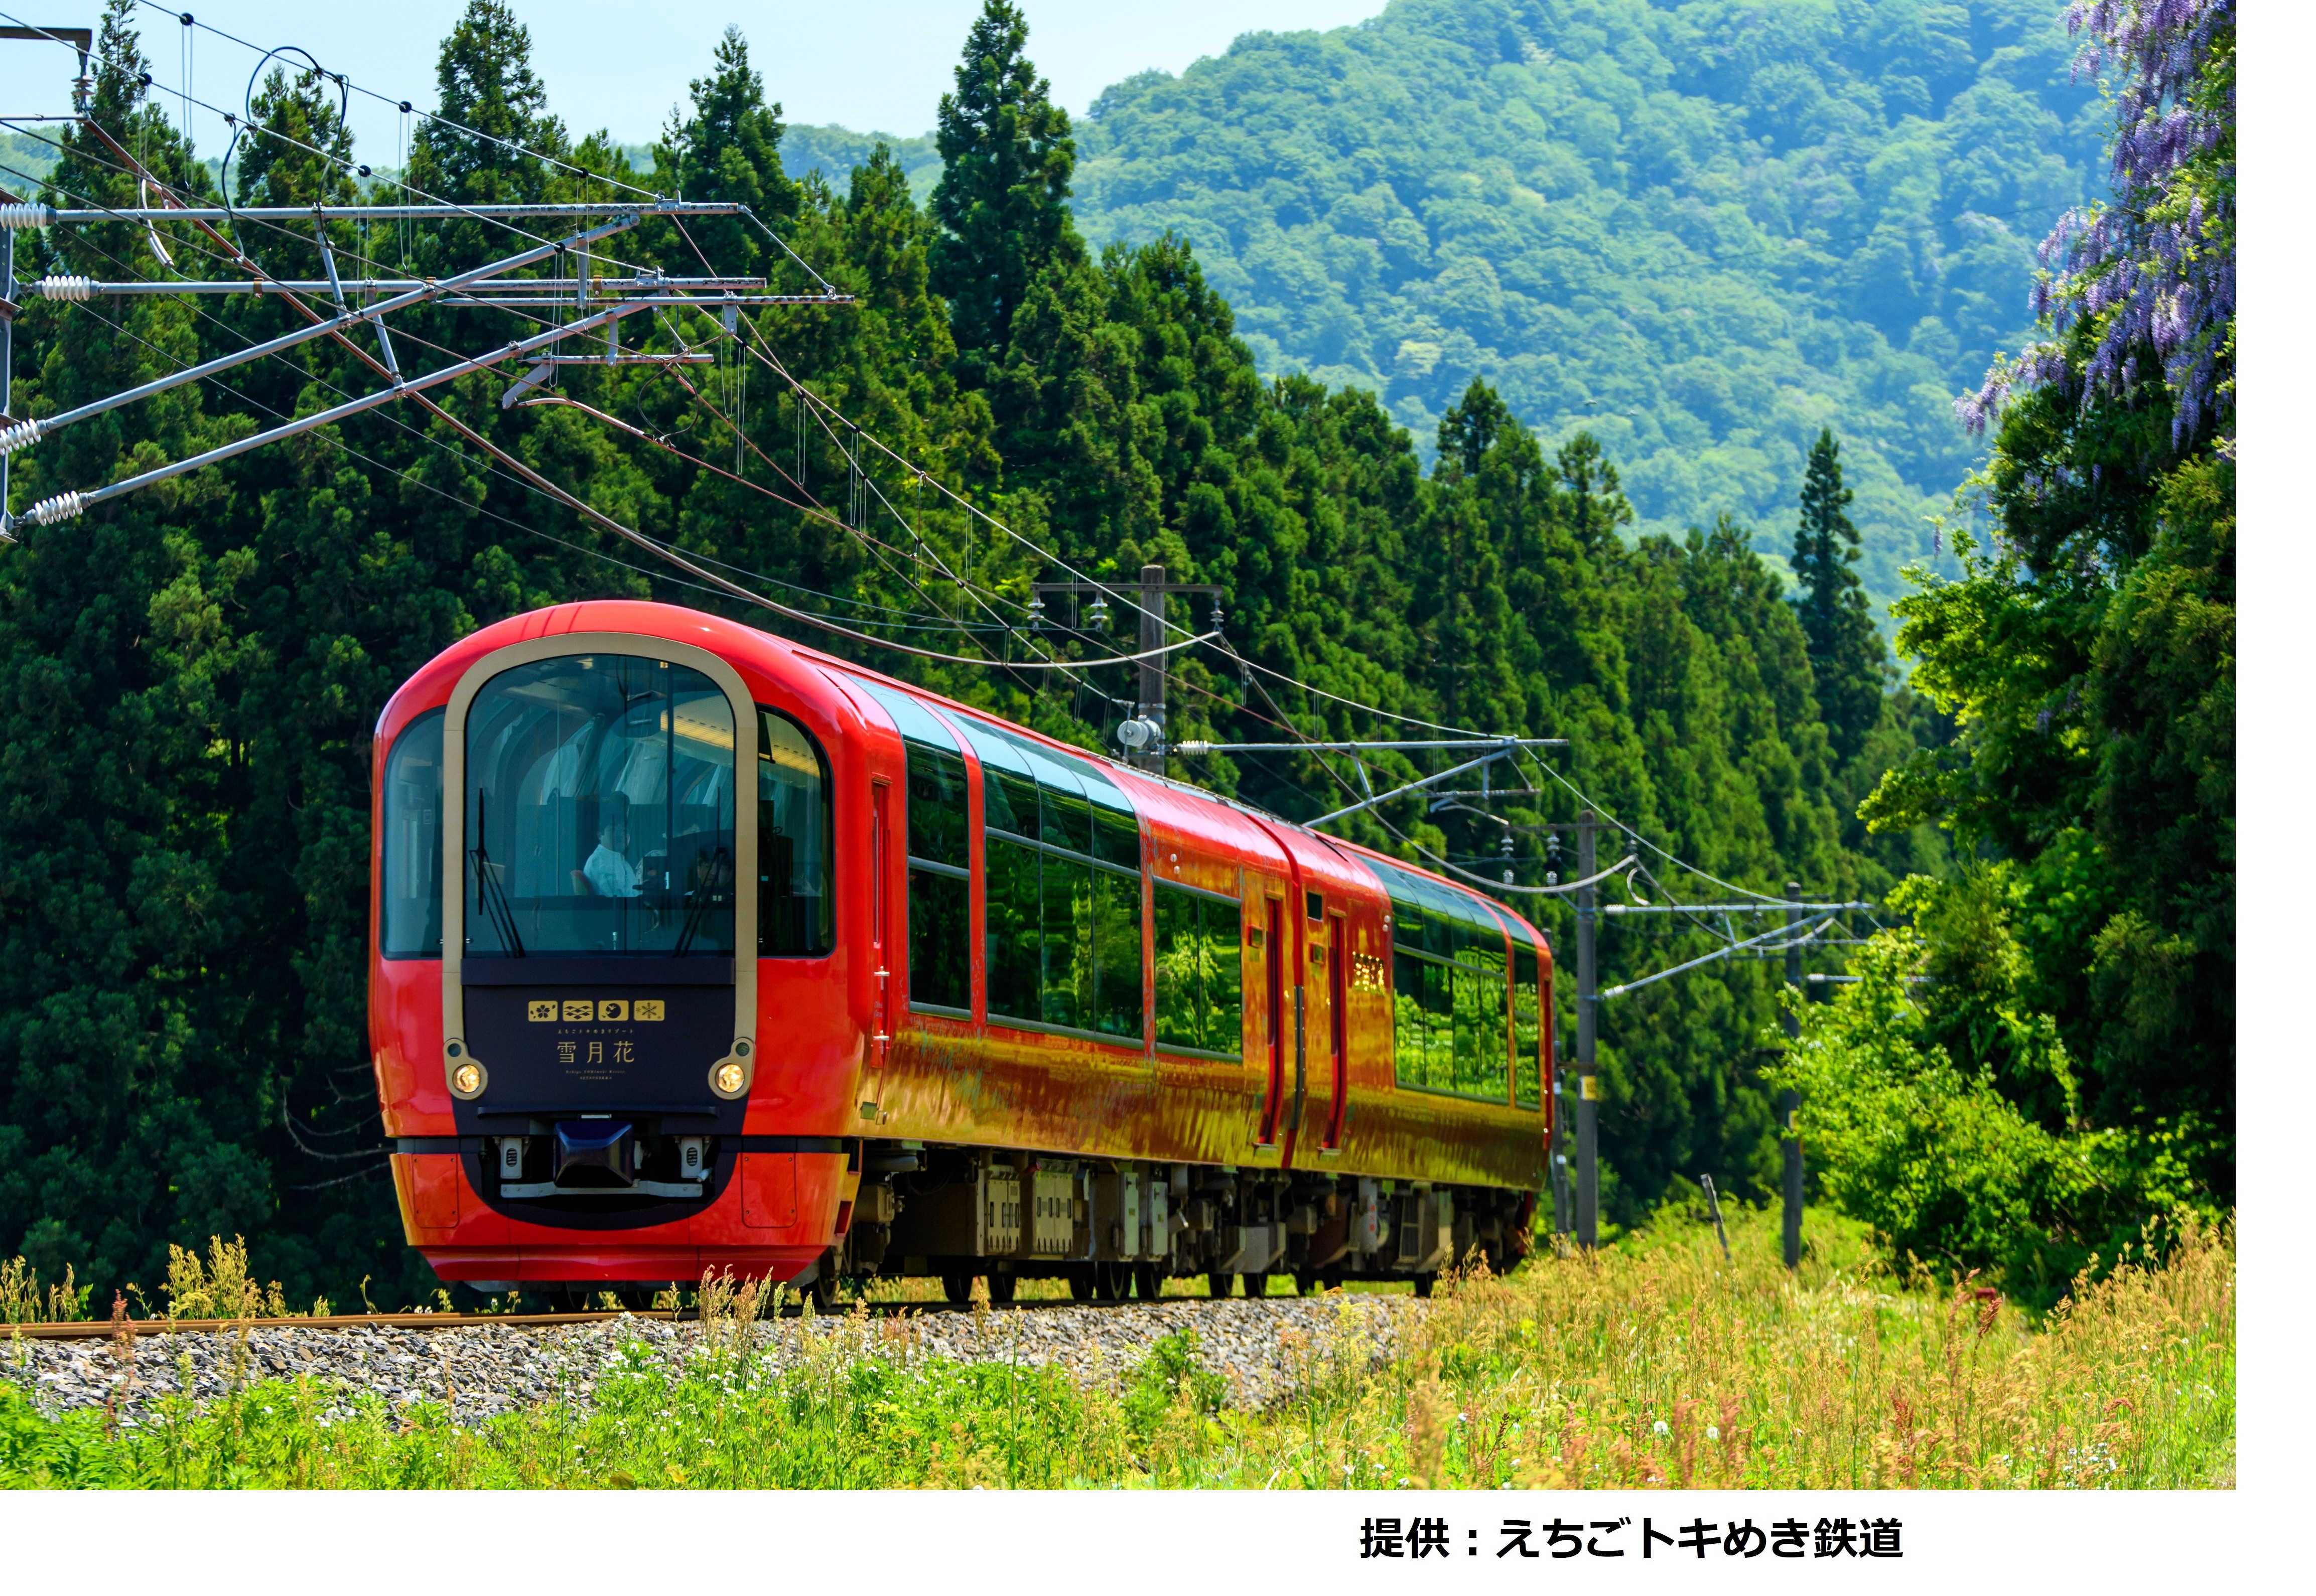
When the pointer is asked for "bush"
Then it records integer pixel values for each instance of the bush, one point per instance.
(1942, 1111)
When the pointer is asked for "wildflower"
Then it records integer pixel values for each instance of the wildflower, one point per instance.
(1662, 1428)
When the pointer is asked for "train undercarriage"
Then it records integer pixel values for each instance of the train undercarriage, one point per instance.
(1113, 1228)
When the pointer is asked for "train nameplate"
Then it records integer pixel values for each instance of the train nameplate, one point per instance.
(600, 1048)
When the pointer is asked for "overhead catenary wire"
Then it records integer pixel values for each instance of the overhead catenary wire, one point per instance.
(1650, 981)
(65, 505)
(749, 345)
(374, 365)
(405, 108)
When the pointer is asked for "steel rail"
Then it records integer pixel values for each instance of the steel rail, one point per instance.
(105, 1329)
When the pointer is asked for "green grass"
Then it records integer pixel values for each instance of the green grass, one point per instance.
(1653, 1363)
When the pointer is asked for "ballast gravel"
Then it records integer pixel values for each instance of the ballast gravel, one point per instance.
(1262, 1348)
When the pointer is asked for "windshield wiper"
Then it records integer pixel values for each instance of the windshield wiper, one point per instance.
(491, 894)
(718, 872)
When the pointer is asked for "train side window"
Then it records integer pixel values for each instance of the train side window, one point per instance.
(1527, 1027)
(1222, 968)
(940, 899)
(940, 928)
(1063, 906)
(410, 862)
(1174, 960)
(796, 832)
(1449, 981)
(1195, 960)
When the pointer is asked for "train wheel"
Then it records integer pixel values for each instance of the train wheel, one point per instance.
(1219, 1285)
(1258, 1284)
(565, 1299)
(957, 1289)
(823, 1288)
(1305, 1282)
(1114, 1283)
(1000, 1287)
(1084, 1286)
(1424, 1284)
(1148, 1283)
(635, 1299)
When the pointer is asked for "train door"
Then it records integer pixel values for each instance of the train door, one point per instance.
(1267, 921)
(1318, 1082)
(1339, 1022)
(880, 919)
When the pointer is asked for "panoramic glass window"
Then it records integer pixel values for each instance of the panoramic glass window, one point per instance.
(796, 841)
(1063, 852)
(410, 866)
(1528, 1025)
(600, 793)
(940, 937)
(1450, 982)
(1195, 960)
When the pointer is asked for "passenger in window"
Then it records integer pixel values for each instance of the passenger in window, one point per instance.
(607, 869)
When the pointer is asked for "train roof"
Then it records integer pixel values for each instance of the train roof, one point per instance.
(703, 629)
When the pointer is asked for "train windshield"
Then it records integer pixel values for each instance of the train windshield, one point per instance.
(598, 810)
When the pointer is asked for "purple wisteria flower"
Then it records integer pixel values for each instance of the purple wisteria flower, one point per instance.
(2155, 269)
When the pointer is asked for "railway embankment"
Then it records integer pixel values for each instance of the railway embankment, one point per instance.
(478, 1369)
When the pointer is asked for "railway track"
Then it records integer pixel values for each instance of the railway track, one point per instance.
(105, 1329)
(490, 1364)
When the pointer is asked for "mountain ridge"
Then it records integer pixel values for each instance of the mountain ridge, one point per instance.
(1700, 230)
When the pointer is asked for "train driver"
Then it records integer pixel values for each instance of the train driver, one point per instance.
(607, 869)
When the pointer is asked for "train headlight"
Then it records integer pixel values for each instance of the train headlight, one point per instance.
(467, 1078)
(730, 1078)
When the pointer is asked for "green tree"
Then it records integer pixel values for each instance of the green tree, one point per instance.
(1003, 201)
(188, 679)
(1846, 654)
(729, 149)
(2088, 649)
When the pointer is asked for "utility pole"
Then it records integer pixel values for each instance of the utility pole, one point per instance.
(1148, 600)
(1150, 689)
(7, 343)
(1588, 1030)
(1562, 1219)
(1790, 1101)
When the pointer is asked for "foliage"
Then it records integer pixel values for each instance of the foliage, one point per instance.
(2088, 649)
(833, 153)
(1002, 200)
(1653, 1363)
(188, 678)
(2154, 273)
(1942, 1110)
(1846, 654)
(1700, 229)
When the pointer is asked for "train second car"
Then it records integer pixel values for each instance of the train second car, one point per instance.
(695, 950)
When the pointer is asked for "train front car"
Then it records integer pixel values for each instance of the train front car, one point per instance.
(608, 839)
(695, 950)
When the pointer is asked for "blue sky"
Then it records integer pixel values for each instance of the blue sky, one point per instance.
(624, 66)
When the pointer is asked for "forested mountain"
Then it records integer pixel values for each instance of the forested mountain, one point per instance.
(1698, 229)
(189, 676)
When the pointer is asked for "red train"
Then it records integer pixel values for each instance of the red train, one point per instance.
(941, 997)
